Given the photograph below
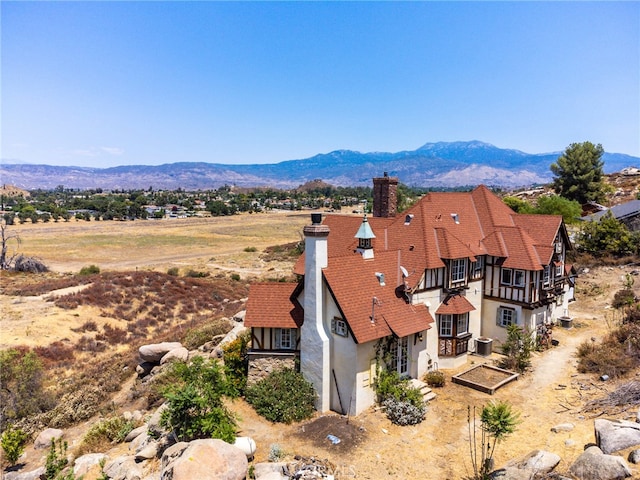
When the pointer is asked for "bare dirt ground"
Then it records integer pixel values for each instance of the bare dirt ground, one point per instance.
(371, 447)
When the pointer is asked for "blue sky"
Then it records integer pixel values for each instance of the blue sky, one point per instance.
(118, 83)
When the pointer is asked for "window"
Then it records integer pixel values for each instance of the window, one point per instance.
(506, 317)
(546, 275)
(559, 269)
(506, 276)
(458, 270)
(478, 265)
(512, 277)
(339, 327)
(446, 325)
(518, 278)
(462, 324)
(284, 338)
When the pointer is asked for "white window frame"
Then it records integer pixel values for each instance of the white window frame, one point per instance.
(507, 316)
(458, 270)
(546, 276)
(340, 327)
(446, 320)
(285, 339)
(462, 319)
(559, 270)
(518, 278)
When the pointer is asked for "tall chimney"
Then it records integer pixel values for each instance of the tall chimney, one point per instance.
(385, 197)
(314, 352)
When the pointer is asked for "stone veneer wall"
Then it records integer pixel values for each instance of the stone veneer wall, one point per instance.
(262, 364)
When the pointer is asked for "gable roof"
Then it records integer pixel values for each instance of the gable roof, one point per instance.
(371, 309)
(272, 305)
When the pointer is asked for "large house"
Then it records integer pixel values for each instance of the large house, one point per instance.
(411, 291)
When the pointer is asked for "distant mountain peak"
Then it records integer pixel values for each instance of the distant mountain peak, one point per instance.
(438, 164)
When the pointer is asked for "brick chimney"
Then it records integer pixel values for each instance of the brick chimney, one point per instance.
(314, 349)
(385, 197)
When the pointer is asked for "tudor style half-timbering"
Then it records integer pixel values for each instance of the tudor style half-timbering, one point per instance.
(421, 285)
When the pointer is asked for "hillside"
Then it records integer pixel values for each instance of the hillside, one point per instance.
(442, 164)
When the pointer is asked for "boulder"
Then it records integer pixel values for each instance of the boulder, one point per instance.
(615, 435)
(135, 433)
(84, 463)
(510, 473)
(180, 353)
(154, 352)
(32, 475)
(634, 456)
(123, 468)
(204, 459)
(269, 470)
(563, 427)
(147, 452)
(44, 438)
(538, 461)
(153, 424)
(595, 465)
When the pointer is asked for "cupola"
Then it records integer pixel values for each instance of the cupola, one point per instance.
(364, 236)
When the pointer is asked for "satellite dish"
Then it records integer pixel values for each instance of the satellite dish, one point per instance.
(404, 271)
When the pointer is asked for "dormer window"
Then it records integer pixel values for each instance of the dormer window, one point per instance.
(458, 270)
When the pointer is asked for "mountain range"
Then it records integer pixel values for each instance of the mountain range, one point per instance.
(441, 164)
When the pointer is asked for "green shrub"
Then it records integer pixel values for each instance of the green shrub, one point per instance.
(276, 453)
(22, 379)
(198, 336)
(173, 271)
(105, 432)
(250, 249)
(435, 378)
(236, 361)
(13, 441)
(283, 396)
(56, 459)
(195, 407)
(90, 270)
(389, 384)
(196, 274)
(403, 403)
(235, 277)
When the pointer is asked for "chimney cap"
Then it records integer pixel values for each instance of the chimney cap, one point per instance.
(316, 218)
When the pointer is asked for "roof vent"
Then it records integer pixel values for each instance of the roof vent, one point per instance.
(408, 218)
(380, 278)
(455, 218)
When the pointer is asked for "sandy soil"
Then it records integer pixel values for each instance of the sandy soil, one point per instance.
(371, 447)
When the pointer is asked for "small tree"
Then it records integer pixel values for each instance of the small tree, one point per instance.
(579, 173)
(517, 349)
(497, 422)
(195, 402)
(13, 441)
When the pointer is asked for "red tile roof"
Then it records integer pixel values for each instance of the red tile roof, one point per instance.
(271, 305)
(357, 290)
(455, 304)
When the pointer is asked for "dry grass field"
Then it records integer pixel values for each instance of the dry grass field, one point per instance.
(230, 247)
(212, 243)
